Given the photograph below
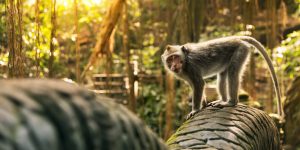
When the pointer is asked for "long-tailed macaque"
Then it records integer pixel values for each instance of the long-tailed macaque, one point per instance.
(225, 57)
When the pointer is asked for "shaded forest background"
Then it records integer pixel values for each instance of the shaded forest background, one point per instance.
(113, 47)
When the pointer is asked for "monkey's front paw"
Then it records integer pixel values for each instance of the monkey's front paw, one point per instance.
(191, 114)
(221, 104)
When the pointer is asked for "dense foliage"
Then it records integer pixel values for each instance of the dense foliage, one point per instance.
(289, 55)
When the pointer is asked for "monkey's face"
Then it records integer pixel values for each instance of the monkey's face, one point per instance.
(173, 58)
(174, 63)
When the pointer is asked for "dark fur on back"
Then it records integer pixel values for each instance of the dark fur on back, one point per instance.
(209, 57)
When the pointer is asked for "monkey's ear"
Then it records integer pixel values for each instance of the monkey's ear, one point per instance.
(168, 47)
(185, 49)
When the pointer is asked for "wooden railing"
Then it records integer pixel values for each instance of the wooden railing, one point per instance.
(116, 85)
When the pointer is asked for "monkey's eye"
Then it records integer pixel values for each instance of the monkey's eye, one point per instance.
(169, 59)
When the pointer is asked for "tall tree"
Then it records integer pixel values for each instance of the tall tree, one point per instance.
(271, 43)
(132, 101)
(52, 36)
(248, 20)
(169, 105)
(170, 89)
(108, 58)
(195, 10)
(191, 18)
(15, 42)
(233, 5)
(37, 31)
(77, 46)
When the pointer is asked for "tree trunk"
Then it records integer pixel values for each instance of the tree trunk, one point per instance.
(52, 36)
(108, 57)
(37, 42)
(195, 14)
(169, 78)
(292, 115)
(233, 6)
(239, 127)
(107, 28)
(248, 15)
(15, 42)
(132, 100)
(271, 43)
(169, 104)
(77, 46)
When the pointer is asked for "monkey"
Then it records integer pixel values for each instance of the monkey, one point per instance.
(225, 57)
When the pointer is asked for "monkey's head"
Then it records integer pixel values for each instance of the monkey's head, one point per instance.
(174, 58)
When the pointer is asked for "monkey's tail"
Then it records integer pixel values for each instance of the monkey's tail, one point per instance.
(264, 53)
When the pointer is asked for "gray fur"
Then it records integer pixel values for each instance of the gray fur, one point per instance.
(225, 57)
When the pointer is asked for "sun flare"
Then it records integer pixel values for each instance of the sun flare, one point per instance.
(67, 3)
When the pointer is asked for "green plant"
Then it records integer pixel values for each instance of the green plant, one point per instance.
(288, 54)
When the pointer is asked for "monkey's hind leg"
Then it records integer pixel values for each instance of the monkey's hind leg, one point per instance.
(235, 69)
(222, 88)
